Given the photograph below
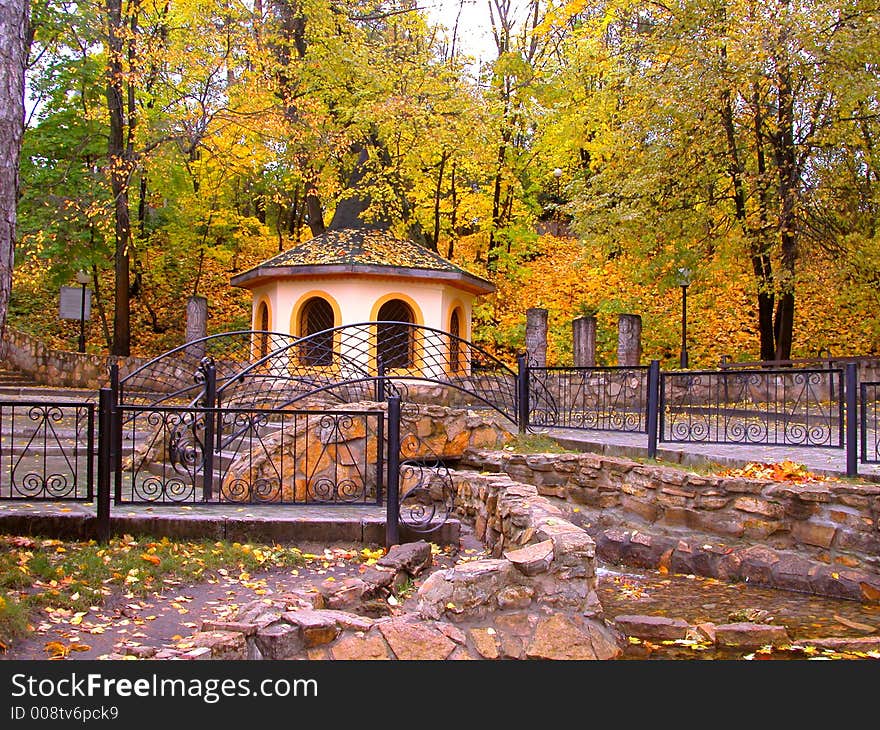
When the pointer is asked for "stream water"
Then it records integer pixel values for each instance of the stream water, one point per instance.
(628, 591)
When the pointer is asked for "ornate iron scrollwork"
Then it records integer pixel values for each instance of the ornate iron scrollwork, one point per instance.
(427, 492)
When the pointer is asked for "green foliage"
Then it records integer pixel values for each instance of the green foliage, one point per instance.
(669, 125)
(535, 443)
(76, 575)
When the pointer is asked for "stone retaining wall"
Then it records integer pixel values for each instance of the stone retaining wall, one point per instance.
(526, 605)
(540, 559)
(649, 515)
(60, 368)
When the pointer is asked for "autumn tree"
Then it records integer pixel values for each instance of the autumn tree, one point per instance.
(14, 43)
(712, 130)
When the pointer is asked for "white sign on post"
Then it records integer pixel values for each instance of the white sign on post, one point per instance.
(70, 303)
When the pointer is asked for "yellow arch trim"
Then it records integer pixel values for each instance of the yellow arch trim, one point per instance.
(461, 366)
(416, 310)
(300, 303)
(295, 313)
(419, 320)
(260, 302)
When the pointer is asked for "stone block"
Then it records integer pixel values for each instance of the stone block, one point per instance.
(757, 563)
(360, 647)
(746, 635)
(755, 529)
(532, 559)
(515, 597)
(659, 628)
(224, 645)
(572, 638)
(411, 557)
(316, 627)
(743, 486)
(416, 641)
(814, 533)
(485, 641)
(757, 506)
(647, 511)
(791, 573)
(280, 640)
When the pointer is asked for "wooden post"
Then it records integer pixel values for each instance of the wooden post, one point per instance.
(629, 340)
(536, 337)
(584, 342)
(196, 323)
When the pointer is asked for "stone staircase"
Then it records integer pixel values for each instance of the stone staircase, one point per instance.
(17, 384)
(12, 377)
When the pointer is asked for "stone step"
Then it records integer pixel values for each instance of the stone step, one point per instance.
(11, 376)
(9, 391)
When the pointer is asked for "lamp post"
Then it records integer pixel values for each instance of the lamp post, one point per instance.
(557, 173)
(684, 281)
(83, 278)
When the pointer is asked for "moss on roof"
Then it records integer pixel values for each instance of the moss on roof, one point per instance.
(361, 248)
(352, 246)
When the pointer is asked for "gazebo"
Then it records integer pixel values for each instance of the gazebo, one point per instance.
(361, 273)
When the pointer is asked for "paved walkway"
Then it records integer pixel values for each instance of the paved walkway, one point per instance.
(822, 461)
(305, 523)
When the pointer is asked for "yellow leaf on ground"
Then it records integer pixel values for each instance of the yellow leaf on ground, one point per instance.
(55, 649)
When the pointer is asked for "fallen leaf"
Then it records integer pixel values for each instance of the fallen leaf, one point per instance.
(855, 625)
(55, 649)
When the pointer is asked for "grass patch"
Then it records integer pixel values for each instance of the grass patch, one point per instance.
(535, 443)
(36, 572)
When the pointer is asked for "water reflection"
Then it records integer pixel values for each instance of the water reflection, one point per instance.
(624, 590)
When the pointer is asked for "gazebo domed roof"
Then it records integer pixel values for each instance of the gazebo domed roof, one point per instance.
(362, 251)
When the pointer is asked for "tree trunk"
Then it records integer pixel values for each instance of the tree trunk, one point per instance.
(314, 213)
(119, 163)
(761, 263)
(435, 239)
(453, 215)
(492, 253)
(15, 36)
(786, 163)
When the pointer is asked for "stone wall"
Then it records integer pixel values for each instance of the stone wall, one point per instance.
(60, 368)
(539, 557)
(533, 602)
(725, 527)
(321, 456)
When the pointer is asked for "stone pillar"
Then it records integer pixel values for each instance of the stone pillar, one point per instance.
(629, 339)
(536, 336)
(584, 342)
(196, 323)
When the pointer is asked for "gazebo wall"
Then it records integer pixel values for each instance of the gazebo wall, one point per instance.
(356, 299)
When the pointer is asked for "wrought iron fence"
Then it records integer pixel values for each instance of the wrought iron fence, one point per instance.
(784, 407)
(598, 398)
(47, 450)
(175, 455)
(869, 397)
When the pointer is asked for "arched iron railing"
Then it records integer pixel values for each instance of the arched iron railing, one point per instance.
(347, 363)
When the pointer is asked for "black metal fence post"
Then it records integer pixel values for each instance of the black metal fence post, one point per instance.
(522, 392)
(863, 412)
(379, 394)
(90, 454)
(106, 406)
(653, 406)
(210, 401)
(392, 502)
(851, 389)
(114, 443)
